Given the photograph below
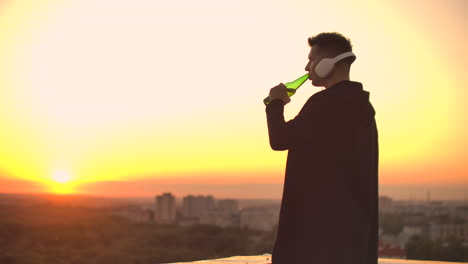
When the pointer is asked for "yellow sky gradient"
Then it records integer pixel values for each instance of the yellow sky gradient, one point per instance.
(116, 90)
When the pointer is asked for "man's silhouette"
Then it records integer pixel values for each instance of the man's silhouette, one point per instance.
(329, 210)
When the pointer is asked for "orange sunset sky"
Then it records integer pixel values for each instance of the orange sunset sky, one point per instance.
(132, 98)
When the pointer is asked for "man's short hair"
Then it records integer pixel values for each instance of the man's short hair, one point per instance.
(332, 44)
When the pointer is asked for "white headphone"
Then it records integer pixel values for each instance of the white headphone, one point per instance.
(326, 65)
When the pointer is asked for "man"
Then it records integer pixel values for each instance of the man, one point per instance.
(329, 210)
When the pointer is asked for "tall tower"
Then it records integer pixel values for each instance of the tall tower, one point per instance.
(165, 208)
(196, 206)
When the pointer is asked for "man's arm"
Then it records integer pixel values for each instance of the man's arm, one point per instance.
(307, 126)
(282, 134)
(277, 127)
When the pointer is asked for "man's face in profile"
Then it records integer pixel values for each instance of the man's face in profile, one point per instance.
(314, 59)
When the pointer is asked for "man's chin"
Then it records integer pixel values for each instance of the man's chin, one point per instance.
(316, 83)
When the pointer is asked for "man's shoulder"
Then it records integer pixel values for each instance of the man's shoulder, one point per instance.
(314, 104)
(316, 98)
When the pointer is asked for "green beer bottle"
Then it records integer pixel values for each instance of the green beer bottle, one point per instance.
(291, 87)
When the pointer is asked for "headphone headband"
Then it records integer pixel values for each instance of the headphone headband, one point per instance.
(326, 65)
(342, 56)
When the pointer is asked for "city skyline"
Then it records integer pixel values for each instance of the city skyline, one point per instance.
(407, 230)
(261, 191)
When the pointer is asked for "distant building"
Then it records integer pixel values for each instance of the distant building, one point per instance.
(391, 240)
(165, 208)
(462, 212)
(134, 213)
(400, 240)
(385, 204)
(206, 210)
(408, 232)
(220, 218)
(446, 231)
(412, 230)
(196, 206)
(389, 251)
(224, 214)
(261, 218)
(228, 206)
(436, 209)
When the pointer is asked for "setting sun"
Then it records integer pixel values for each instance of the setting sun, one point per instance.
(61, 182)
(61, 176)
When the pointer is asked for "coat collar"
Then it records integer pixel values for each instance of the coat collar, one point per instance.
(344, 85)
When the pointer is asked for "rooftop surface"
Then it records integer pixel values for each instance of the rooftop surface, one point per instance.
(266, 258)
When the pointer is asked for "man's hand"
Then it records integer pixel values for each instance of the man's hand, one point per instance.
(280, 92)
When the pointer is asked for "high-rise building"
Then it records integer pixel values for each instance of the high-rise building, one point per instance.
(261, 218)
(165, 208)
(385, 204)
(195, 206)
(228, 206)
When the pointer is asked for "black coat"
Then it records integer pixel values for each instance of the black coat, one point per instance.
(329, 210)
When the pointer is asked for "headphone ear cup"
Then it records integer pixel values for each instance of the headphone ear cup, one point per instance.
(324, 67)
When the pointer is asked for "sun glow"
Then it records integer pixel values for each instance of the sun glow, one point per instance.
(62, 176)
(61, 188)
(62, 182)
